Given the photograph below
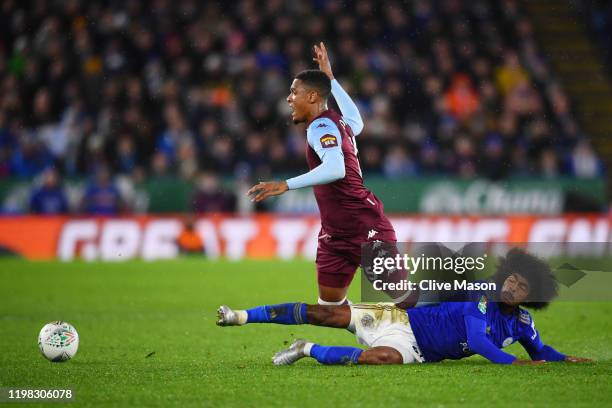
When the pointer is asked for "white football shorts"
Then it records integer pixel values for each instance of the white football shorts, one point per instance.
(383, 324)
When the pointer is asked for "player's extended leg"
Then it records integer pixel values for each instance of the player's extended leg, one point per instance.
(287, 313)
(337, 355)
(298, 313)
(301, 313)
(336, 261)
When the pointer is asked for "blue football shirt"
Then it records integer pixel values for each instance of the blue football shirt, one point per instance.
(442, 331)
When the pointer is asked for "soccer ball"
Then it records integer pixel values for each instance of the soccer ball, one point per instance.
(58, 341)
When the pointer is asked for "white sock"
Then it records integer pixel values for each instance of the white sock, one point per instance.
(242, 316)
(326, 303)
(307, 348)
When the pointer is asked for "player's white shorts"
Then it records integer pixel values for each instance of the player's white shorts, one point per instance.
(383, 324)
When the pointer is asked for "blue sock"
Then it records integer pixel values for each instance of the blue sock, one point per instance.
(286, 313)
(335, 354)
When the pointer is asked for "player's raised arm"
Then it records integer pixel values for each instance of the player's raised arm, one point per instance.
(349, 110)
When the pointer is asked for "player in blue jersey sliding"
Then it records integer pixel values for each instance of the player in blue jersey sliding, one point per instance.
(448, 330)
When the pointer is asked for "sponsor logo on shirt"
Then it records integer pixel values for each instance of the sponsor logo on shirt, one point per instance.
(321, 125)
(329, 141)
(524, 318)
(482, 305)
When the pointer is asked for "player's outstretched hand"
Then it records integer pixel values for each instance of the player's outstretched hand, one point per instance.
(528, 362)
(322, 59)
(573, 359)
(267, 189)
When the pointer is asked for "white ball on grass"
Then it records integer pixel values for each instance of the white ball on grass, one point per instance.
(58, 341)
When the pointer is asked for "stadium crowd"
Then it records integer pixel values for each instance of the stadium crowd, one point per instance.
(598, 16)
(175, 88)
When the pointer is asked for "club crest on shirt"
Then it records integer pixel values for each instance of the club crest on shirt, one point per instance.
(329, 141)
(508, 341)
(367, 320)
(524, 318)
(482, 305)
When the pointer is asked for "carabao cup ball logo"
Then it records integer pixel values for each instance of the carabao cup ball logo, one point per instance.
(58, 341)
(62, 337)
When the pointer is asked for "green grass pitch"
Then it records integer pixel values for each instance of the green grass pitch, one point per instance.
(126, 311)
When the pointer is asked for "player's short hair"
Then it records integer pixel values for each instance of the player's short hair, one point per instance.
(543, 286)
(317, 80)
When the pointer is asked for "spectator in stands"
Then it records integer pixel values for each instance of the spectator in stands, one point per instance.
(461, 99)
(210, 196)
(29, 158)
(583, 162)
(7, 143)
(175, 134)
(511, 73)
(173, 89)
(370, 158)
(126, 155)
(430, 158)
(549, 164)
(398, 163)
(465, 159)
(5, 165)
(102, 197)
(494, 163)
(189, 241)
(187, 160)
(523, 100)
(50, 198)
(160, 168)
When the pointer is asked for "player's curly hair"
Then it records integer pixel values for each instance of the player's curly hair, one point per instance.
(316, 80)
(543, 286)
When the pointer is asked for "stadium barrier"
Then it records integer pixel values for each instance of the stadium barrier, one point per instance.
(434, 194)
(264, 236)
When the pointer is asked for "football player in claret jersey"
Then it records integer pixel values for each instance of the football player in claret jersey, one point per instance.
(350, 213)
(448, 330)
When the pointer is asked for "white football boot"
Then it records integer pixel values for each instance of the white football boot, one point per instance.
(290, 355)
(227, 317)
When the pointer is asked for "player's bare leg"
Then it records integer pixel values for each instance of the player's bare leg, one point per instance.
(332, 296)
(329, 316)
(380, 356)
(302, 348)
